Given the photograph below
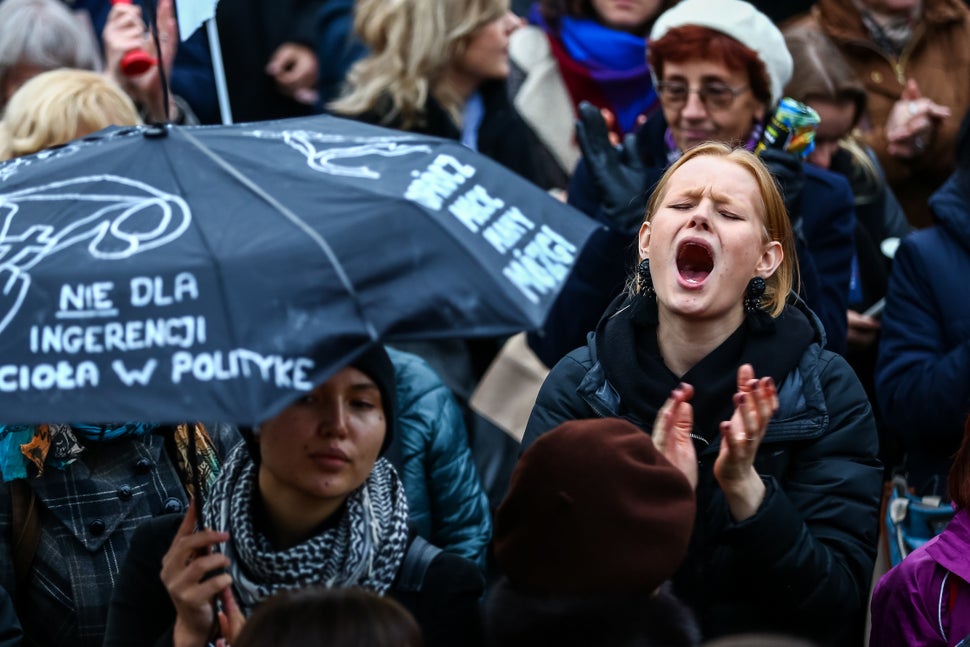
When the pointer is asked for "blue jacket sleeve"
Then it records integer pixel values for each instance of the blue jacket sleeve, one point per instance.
(922, 379)
(828, 224)
(337, 46)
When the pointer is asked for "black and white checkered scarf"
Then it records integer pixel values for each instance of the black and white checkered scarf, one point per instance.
(364, 549)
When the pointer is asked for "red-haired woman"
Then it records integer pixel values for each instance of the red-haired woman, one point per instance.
(719, 66)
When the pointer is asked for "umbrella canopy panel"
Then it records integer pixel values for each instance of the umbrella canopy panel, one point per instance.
(213, 273)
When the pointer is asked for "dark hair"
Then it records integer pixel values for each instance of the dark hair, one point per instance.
(514, 618)
(337, 617)
(693, 42)
(958, 482)
(821, 72)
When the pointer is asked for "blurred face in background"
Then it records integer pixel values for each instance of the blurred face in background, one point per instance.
(837, 120)
(704, 100)
(487, 55)
(632, 16)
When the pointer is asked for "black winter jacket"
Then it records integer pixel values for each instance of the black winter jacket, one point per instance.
(802, 564)
(502, 135)
(142, 612)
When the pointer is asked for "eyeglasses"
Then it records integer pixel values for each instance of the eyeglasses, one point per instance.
(714, 94)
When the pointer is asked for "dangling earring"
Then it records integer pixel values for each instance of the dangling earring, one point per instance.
(644, 310)
(752, 298)
(644, 280)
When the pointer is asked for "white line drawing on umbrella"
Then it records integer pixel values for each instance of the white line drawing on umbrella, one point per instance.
(126, 225)
(321, 160)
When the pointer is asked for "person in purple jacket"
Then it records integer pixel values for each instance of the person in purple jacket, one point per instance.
(925, 600)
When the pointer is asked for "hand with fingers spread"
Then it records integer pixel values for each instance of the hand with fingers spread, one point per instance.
(616, 170)
(754, 404)
(672, 431)
(184, 568)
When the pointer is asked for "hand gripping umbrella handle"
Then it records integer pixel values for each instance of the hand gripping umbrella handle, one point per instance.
(135, 61)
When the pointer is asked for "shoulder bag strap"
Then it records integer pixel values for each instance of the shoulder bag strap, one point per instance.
(415, 564)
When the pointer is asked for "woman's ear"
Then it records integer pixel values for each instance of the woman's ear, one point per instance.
(643, 239)
(771, 257)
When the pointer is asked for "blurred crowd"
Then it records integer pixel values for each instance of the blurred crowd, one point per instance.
(760, 341)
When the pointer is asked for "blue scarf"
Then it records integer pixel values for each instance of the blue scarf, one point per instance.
(614, 60)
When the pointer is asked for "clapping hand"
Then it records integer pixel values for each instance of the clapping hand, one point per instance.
(755, 402)
(672, 432)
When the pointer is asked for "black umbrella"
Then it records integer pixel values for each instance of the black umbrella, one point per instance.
(211, 273)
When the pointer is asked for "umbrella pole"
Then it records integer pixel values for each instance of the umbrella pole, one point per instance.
(162, 72)
(219, 70)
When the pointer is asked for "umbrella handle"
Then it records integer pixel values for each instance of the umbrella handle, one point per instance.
(135, 61)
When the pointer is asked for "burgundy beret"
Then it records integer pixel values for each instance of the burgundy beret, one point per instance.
(593, 508)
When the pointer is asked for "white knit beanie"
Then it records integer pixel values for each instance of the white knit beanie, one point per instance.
(742, 22)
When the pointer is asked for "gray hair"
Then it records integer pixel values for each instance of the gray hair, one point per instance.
(43, 33)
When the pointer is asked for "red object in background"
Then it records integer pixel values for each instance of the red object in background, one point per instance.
(135, 61)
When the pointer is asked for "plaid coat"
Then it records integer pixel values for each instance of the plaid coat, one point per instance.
(88, 514)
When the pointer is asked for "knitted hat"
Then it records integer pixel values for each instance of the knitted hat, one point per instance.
(742, 22)
(593, 508)
(375, 364)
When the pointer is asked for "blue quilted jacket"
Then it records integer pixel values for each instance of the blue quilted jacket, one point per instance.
(430, 451)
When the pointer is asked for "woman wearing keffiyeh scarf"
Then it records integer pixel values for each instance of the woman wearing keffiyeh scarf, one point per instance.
(308, 501)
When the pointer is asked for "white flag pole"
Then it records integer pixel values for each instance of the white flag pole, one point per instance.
(219, 71)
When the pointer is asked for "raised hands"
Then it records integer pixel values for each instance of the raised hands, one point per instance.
(125, 30)
(672, 431)
(912, 122)
(184, 568)
(755, 403)
(617, 171)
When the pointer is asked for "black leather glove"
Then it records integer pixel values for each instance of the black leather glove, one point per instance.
(790, 176)
(616, 171)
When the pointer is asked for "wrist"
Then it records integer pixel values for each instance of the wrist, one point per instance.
(744, 496)
(184, 635)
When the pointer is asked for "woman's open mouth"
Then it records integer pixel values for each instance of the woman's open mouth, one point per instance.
(695, 262)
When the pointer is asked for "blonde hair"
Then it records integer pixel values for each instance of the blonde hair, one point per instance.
(57, 106)
(411, 43)
(776, 225)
